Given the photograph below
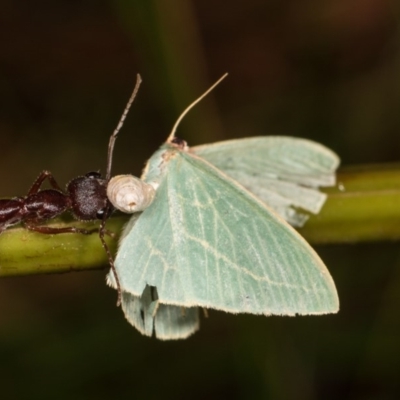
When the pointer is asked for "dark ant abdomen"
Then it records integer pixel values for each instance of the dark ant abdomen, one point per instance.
(10, 212)
(41, 206)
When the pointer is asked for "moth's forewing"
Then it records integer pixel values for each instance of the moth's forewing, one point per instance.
(205, 241)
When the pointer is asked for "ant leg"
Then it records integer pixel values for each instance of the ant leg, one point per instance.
(71, 229)
(40, 179)
(107, 232)
(55, 231)
(102, 232)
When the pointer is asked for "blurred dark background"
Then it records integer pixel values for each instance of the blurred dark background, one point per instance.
(324, 70)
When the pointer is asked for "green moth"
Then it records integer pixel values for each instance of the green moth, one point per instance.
(209, 230)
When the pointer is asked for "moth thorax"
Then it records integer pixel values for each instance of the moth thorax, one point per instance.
(129, 194)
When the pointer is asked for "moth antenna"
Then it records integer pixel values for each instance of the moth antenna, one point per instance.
(113, 137)
(178, 121)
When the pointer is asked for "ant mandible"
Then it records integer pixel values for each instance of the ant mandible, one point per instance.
(85, 196)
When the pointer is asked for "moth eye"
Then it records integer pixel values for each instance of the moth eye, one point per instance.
(129, 194)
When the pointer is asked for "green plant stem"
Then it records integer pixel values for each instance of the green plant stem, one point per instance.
(364, 206)
(24, 253)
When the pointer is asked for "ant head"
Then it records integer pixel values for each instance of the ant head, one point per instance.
(88, 196)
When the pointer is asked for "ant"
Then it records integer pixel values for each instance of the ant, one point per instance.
(85, 196)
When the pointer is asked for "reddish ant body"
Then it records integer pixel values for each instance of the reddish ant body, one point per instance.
(85, 196)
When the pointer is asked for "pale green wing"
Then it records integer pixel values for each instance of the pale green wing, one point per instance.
(282, 171)
(205, 241)
(168, 322)
(172, 322)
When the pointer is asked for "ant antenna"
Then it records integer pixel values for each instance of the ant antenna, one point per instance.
(172, 134)
(102, 232)
(107, 211)
(113, 137)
